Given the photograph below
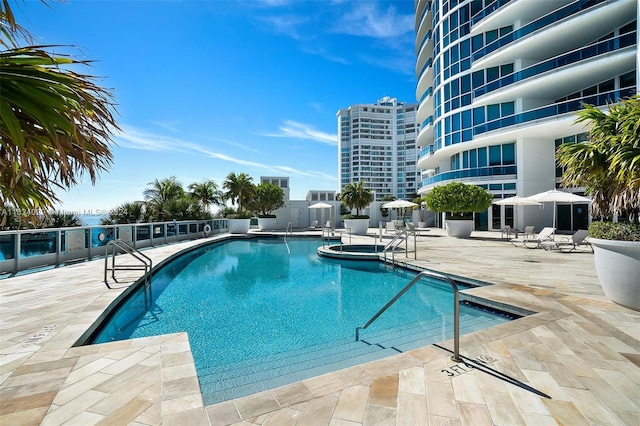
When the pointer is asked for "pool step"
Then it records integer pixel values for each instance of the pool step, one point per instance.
(421, 334)
(228, 381)
(218, 384)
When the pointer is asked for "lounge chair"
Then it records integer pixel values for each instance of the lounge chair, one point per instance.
(569, 244)
(535, 242)
(314, 226)
(390, 226)
(528, 231)
(508, 230)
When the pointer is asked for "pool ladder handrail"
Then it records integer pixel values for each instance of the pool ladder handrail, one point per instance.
(456, 309)
(289, 229)
(147, 263)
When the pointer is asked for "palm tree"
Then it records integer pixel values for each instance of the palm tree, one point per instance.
(239, 189)
(55, 126)
(206, 193)
(64, 220)
(608, 164)
(126, 213)
(355, 195)
(163, 190)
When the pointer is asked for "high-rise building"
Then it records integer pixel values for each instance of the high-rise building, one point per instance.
(499, 82)
(377, 145)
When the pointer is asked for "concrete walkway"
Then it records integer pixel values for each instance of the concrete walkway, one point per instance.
(578, 348)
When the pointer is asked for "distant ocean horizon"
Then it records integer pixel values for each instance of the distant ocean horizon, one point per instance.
(90, 219)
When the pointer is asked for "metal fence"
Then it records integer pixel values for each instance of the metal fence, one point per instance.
(32, 248)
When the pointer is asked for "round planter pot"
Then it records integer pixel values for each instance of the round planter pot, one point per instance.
(618, 268)
(357, 226)
(267, 223)
(459, 228)
(238, 226)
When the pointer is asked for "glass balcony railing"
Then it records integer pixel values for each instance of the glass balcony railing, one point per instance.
(425, 66)
(471, 173)
(488, 11)
(428, 150)
(426, 10)
(426, 38)
(426, 122)
(572, 57)
(428, 92)
(546, 20)
(555, 109)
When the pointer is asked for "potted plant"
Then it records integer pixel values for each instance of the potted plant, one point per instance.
(422, 223)
(606, 165)
(355, 195)
(267, 198)
(239, 189)
(458, 201)
(384, 212)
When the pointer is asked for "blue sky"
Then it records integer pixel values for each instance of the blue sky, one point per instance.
(204, 88)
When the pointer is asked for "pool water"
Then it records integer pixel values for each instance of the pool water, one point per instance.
(261, 313)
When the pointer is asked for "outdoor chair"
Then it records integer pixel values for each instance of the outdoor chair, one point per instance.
(569, 244)
(390, 227)
(528, 231)
(507, 230)
(314, 226)
(535, 242)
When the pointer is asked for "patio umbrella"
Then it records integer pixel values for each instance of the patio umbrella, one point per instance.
(399, 204)
(516, 201)
(554, 196)
(321, 206)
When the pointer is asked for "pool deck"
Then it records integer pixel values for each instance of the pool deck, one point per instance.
(579, 348)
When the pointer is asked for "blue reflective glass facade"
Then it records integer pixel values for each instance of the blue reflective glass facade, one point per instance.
(492, 71)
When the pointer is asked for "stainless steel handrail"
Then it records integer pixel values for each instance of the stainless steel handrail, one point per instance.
(135, 253)
(289, 227)
(456, 309)
(395, 242)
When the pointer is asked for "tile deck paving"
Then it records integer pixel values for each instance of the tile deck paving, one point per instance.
(579, 348)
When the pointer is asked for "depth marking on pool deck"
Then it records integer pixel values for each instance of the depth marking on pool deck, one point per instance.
(35, 339)
(463, 367)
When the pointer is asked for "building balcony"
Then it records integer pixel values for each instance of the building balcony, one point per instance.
(480, 172)
(423, 18)
(574, 25)
(564, 74)
(425, 77)
(425, 136)
(425, 109)
(502, 13)
(561, 108)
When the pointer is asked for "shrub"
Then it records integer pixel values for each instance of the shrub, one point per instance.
(458, 199)
(621, 231)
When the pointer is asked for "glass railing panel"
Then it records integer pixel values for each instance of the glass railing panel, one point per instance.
(101, 236)
(428, 92)
(542, 22)
(158, 231)
(471, 173)
(7, 247)
(488, 11)
(573, 57)
(73, 240)
(38, 243)
(553, 110)
(425, 66)
(426, 122)
(426, 38)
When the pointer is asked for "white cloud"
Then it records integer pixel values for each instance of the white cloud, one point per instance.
(366, 19)
(133, 138)
(293, 129)
(287, 25)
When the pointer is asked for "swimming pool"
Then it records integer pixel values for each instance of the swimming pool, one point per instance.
(261, 313)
